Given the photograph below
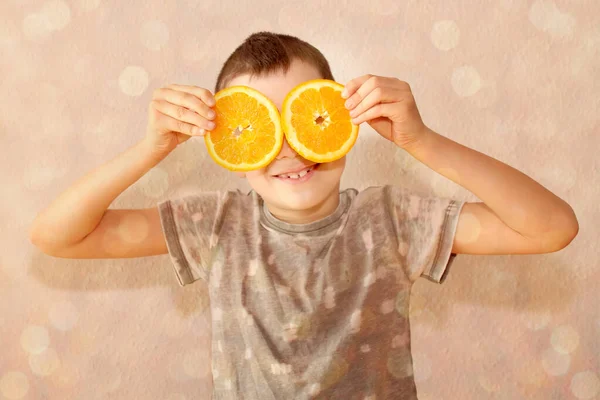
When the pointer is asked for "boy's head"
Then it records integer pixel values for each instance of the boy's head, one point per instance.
(274, 64)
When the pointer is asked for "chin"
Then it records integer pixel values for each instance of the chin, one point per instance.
(295, 198)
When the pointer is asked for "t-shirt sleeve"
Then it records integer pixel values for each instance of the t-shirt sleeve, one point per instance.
(425, 229)
(191, 226)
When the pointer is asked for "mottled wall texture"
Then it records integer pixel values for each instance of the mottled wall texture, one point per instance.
(517, 80)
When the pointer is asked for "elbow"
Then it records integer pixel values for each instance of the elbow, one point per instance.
(37, 240)
(39, 244)
(566, 241)
(572, 233)
(33, 236)
(560, 230)
(35, 232)
(571, 227)
(563, 235)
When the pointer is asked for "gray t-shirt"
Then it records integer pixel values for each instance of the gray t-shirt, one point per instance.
(317, 310)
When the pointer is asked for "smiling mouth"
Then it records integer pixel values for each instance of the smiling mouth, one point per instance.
(298, 175)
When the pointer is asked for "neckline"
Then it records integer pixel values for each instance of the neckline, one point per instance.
(320, 224)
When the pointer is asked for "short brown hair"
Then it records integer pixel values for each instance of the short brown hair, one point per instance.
(266, 52)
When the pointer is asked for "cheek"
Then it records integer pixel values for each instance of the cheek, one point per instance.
(255, 174)
(335, 167)
(257, 177)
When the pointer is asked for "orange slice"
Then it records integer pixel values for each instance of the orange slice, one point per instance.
(248, 133)
(315, 121)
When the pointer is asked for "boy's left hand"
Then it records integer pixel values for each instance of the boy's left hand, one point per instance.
(388, 105)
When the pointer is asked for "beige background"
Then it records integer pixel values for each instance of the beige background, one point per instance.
(517, 80)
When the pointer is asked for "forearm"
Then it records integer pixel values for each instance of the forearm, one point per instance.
(79, 209)
(519, 201)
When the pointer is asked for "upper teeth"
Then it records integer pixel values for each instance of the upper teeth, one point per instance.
(297, 175)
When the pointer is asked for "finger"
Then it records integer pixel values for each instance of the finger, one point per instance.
(183, 114)
(167, 123)
(379, 110)
(367, 87)
(205, 94)
(377, 95)
(352, 85)
(184, 99)
(172, 124)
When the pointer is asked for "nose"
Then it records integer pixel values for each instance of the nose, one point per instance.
(286, 150)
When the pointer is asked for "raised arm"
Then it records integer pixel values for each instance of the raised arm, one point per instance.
(78, 224)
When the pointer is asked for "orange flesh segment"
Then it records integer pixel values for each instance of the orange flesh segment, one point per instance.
(244, 132)
(311, 134)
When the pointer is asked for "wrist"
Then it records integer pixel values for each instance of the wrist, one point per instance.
(421, 141)
(149, 148)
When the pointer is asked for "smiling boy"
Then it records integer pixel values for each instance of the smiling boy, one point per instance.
(309, 285)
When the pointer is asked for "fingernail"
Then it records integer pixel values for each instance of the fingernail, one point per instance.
(211, 114)
(344, 93)
(211, 125)
(202, 131)
(211, 102)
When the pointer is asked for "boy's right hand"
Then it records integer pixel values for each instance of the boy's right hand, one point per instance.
(176, 113)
